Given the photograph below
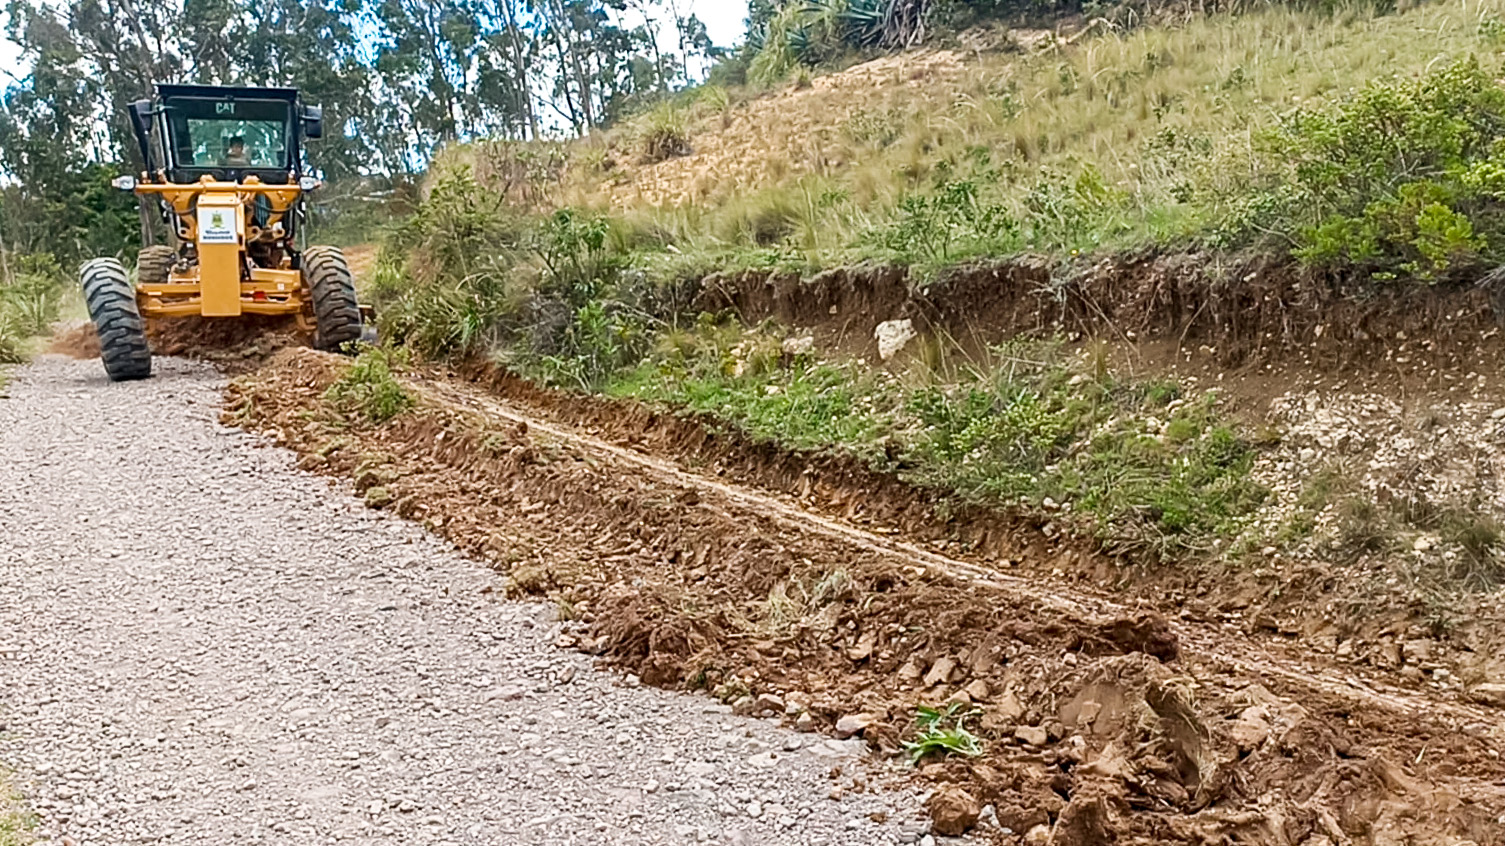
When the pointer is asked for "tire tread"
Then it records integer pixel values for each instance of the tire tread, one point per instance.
(111, 300)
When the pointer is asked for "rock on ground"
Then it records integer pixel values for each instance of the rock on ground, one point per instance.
(200, 644)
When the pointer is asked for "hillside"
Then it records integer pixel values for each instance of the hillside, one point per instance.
(1098, 139)
(1206, 309)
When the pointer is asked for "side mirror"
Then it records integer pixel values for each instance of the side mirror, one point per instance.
(313, 122)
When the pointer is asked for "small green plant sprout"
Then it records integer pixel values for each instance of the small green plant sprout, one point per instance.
(943, 732)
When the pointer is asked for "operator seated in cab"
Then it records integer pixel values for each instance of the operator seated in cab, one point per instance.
(235, 153)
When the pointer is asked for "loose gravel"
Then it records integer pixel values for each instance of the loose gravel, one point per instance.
(201, 644)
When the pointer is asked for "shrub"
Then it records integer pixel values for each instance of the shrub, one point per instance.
(937, 227)
(445, 280)
(369, 389)
(665, 134)
(30, 291)
(1400, 179)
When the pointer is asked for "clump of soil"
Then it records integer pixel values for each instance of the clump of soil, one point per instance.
(1100, 725)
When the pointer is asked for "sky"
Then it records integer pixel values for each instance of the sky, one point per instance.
(723, 19)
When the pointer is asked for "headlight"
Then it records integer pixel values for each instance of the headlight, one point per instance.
(308, 183)
(124, 183)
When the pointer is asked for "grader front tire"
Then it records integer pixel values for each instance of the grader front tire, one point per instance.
(117, 320)
(337, 314)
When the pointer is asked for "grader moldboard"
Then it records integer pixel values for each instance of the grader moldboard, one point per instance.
(225, 173)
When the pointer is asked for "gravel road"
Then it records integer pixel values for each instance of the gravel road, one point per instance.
(201, 644)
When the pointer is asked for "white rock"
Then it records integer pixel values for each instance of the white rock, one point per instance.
(799, 346)
(893, 336)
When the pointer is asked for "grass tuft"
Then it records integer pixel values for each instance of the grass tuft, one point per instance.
(665, 134)
(943, 732)
(1139, 464)
(30, 297)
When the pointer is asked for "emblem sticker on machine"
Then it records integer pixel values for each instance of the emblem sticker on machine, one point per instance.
(217, 226)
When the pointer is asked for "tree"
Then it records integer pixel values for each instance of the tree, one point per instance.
(397, 80)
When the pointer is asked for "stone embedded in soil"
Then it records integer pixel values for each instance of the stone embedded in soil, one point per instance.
(1008, 708)
(1032, 735)
(893, 336)
(799, 346)
(1416, 651)
(768, 704)
(978, 690)
(953, 811)
(1083, 822)
(1251, 729)
(854, 724)
(1037, 836)
(804, 722)
(1489, 694)
(940, 672)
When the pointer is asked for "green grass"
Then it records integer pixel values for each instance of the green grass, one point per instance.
(369, 389)
(1140, 465)
(31, 298)
(1228, 133)
(16, 824)
(1244, 133)
(943, 732)
(1154, 135)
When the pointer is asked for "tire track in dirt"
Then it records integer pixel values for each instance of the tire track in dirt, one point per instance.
(1198, 644)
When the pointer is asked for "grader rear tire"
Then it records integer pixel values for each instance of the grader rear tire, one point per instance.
(154, 265)
(117, 320)
(337, 315)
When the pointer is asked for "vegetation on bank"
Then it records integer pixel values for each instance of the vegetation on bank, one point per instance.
(30, 297)
(1143, 465)
(1357, 139)
(1367, 145)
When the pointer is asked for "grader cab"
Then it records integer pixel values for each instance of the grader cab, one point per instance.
(225, 174)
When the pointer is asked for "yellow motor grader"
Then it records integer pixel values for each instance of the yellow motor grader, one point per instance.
(225, 173)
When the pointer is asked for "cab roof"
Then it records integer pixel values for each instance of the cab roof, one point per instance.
(221, 92)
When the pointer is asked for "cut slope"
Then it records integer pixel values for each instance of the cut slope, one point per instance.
(1100, 722)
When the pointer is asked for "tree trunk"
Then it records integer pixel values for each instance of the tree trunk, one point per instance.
(520, 68)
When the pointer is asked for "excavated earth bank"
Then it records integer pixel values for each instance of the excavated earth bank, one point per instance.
(1102, 723)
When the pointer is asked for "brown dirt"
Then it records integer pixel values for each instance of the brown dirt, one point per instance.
(1256, 326)
(1295, 607)
(235, 344)
(1107, 723)
(80, 341)
(788, 131)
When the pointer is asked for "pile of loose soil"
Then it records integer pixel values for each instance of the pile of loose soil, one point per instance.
(232, 343)
(1101, 724)
(1349, 613)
